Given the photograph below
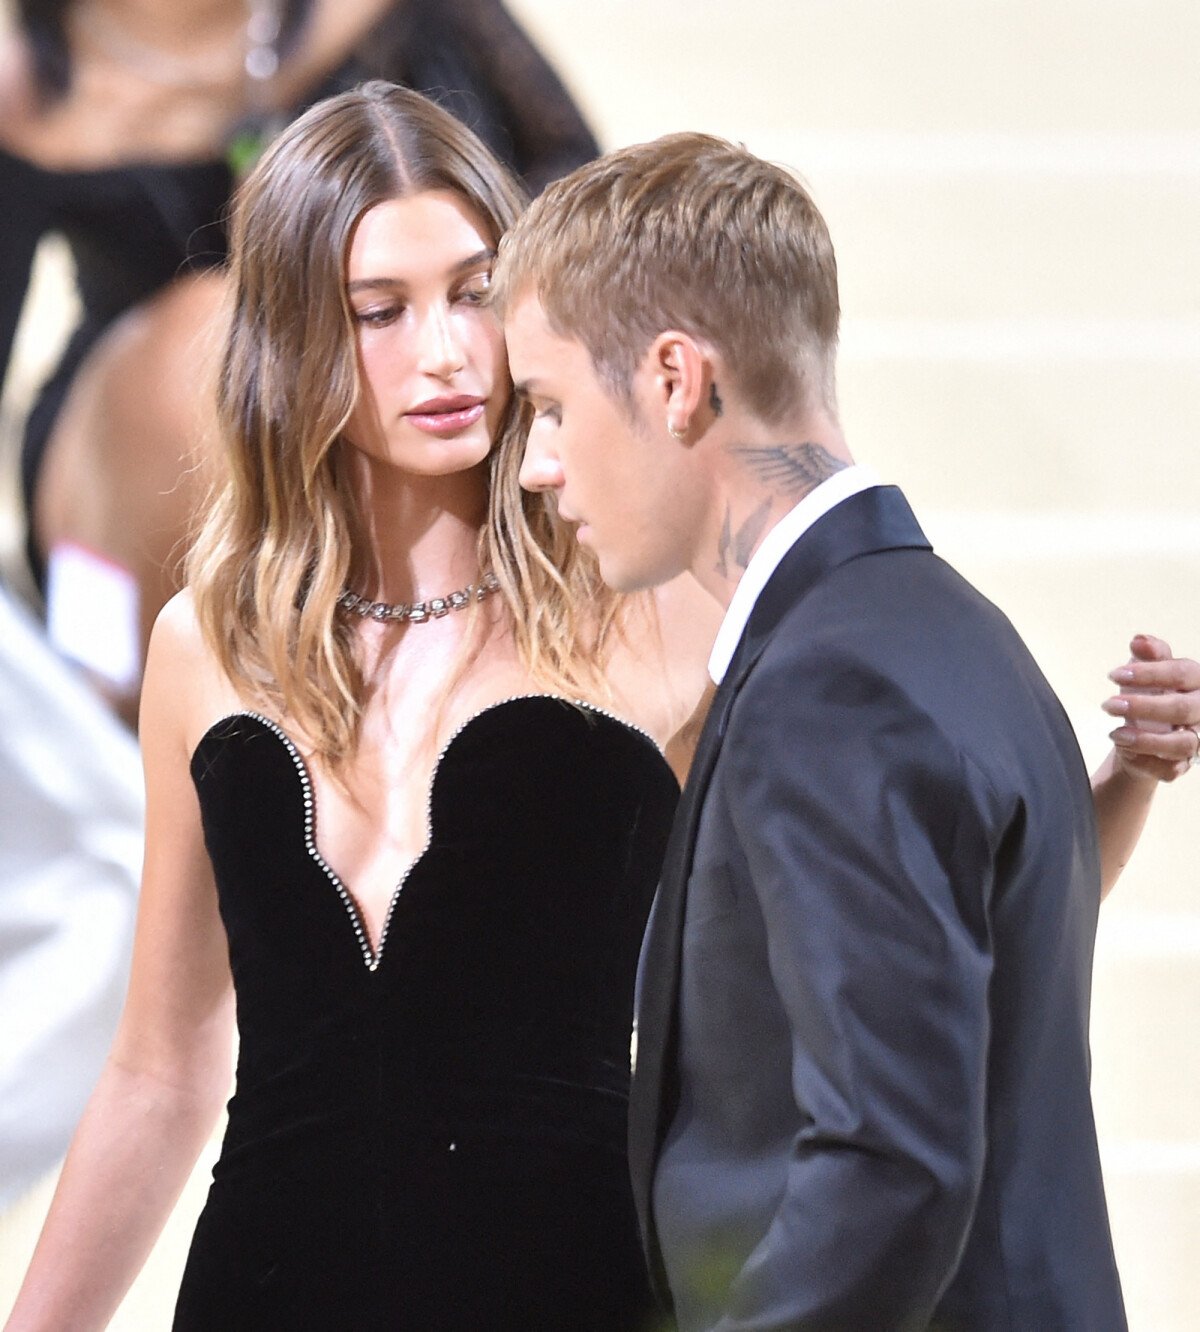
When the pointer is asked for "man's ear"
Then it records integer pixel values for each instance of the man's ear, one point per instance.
(679, 367)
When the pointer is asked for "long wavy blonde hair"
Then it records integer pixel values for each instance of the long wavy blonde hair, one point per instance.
(283, 535)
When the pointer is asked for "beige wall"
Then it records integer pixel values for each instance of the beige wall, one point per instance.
(1014, 190)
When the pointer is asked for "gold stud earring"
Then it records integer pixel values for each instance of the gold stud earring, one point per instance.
(675, 432)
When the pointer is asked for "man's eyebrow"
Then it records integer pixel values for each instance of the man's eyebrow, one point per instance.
(525, 388)
(393, 283)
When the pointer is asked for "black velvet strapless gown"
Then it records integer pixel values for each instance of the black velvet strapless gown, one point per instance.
(433, 1136)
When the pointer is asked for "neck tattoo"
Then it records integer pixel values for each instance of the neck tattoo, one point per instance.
(789, 469)
(735, 546)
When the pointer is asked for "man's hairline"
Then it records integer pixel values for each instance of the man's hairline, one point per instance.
(531, 289)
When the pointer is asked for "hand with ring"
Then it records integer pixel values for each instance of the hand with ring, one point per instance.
(1159, 707)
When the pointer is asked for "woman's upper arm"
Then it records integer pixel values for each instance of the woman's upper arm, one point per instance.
(179, 1005)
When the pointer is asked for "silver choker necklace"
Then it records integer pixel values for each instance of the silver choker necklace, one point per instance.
(420, 611)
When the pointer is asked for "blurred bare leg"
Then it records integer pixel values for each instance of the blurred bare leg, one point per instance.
(127, 464)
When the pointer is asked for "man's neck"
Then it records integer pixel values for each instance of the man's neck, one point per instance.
(761, 476)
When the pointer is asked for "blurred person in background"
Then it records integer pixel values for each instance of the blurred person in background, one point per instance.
(123, 126)
(70, 851)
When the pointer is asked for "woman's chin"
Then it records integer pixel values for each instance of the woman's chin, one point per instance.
(431, 456)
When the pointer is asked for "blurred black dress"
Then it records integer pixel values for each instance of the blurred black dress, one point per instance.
(133, 228)
(432, 1136)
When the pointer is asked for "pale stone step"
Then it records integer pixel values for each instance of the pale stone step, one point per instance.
(1156, 1230)
(971, 64)
(1116, 250)
(1087, 434)
(1146, 1064)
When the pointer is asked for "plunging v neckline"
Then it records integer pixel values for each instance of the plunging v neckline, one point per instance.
(373, 953)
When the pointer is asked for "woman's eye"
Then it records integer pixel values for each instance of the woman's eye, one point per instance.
(475, 291)
(378, 316)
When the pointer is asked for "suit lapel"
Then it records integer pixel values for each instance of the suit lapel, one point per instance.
(870, 521)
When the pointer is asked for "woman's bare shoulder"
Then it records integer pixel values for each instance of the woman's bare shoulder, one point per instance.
(184, 680)
(177, 632)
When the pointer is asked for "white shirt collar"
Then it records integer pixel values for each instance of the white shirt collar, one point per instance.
(775, 545)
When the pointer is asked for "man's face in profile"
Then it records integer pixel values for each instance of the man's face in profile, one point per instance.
(602, 456)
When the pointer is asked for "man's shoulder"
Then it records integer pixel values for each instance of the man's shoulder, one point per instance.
(895, 639)
(881, 600)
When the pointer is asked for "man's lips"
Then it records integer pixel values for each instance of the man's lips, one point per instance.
(446, 416)
(578, 524)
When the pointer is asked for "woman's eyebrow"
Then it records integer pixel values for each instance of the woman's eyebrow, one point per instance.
(367, 284)
(391, 283)
(473, 260)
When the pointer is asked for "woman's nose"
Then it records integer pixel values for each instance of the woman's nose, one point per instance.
(442, 352)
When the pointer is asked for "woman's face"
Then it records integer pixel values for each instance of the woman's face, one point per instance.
(431, 355)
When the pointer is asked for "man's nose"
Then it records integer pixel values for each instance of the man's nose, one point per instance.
(540, 469)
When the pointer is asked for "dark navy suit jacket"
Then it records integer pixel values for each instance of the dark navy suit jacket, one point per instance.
(861, 1098)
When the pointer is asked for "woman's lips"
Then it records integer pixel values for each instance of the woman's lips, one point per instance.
(438, 420)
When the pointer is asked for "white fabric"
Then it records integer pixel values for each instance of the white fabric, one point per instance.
(71, 815)
(774, 546)
(92, 613)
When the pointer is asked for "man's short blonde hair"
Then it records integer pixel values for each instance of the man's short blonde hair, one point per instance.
(692, 233)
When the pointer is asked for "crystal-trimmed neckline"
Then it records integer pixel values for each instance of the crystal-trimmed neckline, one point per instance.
(373, 954)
